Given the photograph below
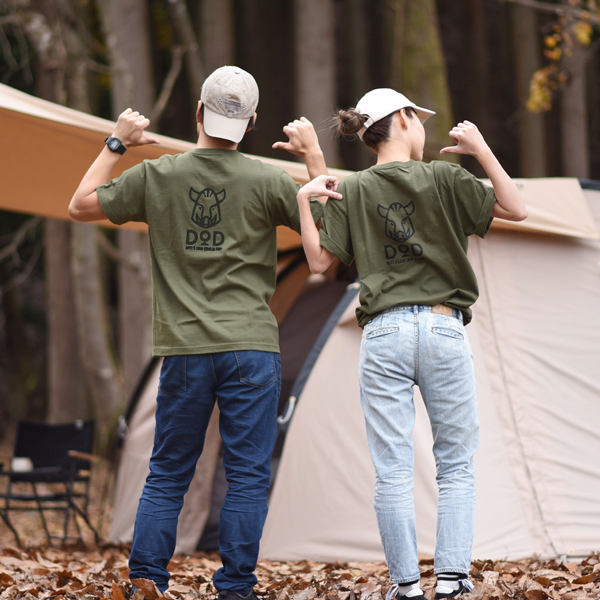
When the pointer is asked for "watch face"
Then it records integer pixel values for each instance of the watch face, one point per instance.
(113, 144)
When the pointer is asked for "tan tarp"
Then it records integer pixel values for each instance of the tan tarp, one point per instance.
(47, 148)
(536, 341)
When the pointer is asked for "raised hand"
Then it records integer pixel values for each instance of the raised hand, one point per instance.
(302, 136)
(324, 185)
(130, 129)
(468, 140)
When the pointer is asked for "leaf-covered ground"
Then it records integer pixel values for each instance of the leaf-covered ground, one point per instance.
(39, 572)
(103, 574)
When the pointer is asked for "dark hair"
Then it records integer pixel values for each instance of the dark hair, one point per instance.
(250, 121)
(349, 122)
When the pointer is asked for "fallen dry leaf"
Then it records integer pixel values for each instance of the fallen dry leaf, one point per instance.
(117, 592)
(147, 586)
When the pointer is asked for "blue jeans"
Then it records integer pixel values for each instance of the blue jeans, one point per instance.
(401, 347)
(246, 385)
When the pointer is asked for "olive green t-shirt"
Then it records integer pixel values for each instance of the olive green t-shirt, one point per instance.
(212, 216)
(407, 226)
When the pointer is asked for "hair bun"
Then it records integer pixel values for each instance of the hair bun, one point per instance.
(349, 122)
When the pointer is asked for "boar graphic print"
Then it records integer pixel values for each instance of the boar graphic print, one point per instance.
(398, 225)
(207, 207)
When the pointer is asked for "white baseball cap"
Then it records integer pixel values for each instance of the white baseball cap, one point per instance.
(230, 98)
(382, 102)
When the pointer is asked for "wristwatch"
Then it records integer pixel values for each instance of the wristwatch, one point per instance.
(115, 144)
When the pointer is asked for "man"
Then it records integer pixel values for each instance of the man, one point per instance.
(212, 215)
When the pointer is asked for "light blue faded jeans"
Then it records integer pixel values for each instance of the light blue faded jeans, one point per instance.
(401, 347)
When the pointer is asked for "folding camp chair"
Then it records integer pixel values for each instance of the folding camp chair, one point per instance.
(60, 477)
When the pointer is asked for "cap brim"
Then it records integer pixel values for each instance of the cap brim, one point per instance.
(423, 113)
(218, 126)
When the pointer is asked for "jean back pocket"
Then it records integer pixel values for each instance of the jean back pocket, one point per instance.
(173, 375)
(453, 333)
(382, 331)
(257, 368)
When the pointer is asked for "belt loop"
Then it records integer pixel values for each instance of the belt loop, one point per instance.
(415, 310)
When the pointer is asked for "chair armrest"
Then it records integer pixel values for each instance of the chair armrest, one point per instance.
(84, 456)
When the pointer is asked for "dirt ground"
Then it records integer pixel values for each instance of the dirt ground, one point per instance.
(100, 572)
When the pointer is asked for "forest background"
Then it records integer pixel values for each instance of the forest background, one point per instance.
(527, 72)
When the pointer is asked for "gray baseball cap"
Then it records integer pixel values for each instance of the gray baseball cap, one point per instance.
(230, 98)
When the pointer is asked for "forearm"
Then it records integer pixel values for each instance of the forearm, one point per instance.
(318, 257)
(510, 205)
(84, 205)
(315, 163)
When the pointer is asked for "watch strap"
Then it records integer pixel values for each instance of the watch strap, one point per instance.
(115, 145)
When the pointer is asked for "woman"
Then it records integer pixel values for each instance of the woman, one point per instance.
(407, 223)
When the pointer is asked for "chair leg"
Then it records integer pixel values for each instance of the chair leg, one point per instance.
(83, 514)
(72, 506)
(42, 515)
(4, 515)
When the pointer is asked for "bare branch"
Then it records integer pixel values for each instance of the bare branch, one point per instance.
(7, 52)
(9, 19)
(168, 84)
(560, 10)
(114, 253)
(183, 25)
(19, 237)
(24, 50)
(94, 65)
(23, 275)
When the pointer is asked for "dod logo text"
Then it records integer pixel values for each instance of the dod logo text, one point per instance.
(206, 213)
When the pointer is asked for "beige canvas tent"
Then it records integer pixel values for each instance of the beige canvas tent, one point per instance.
(535, 335)
(536, 341)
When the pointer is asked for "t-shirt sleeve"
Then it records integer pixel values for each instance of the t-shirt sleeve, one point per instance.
(475, 201)
(335, 229)
(124, 199)
(285, 208)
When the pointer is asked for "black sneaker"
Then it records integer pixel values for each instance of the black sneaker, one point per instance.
(234, 595)
(444, 590)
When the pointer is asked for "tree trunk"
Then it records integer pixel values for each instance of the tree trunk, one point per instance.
(67, 394)
(418, 69)
(353, 51)
(532, 134)
(126, 28)
(316, 69)
(135, 308)
(182, 23)
(217, 36)
(21, 375)
(573, 113)
(93, 330)
(125, 23)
